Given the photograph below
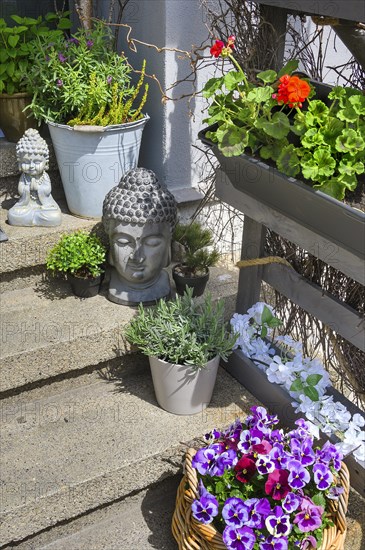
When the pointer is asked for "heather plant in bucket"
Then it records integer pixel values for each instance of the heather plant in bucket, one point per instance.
(258, 487)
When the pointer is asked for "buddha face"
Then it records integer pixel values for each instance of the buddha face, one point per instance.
(33, 164)
(139, 253)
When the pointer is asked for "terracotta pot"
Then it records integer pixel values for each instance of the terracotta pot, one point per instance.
(13, 122)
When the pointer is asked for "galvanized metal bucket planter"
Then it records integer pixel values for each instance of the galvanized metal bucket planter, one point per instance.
(93, 159)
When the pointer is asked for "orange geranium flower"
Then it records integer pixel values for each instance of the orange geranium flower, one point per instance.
(292, 91)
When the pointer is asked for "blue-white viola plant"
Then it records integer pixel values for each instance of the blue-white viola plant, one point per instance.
(266, 489)
(305, 379)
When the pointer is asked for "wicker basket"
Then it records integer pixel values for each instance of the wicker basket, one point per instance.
(192, 535)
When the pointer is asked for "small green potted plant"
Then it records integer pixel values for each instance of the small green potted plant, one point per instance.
(17, 42)
(193, 271)
(81, 256)
(83, 89)
(184, 341)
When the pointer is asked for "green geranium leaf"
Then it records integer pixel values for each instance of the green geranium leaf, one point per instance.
(358, 104)
(278, 127)
(232, 140)
(348, 181)
(231, 80)
(332, 130)
(312, 393)
(312, 138)
(212, 136)
(288, 161)
(267, 76)
(212, 86)
(326, 163)
(338, 92)
(348, 167)
(261, 94)
(348, 114)
(313, 379)
(350, 141)
(309, 168)
(317, 112)
(291, 66)
(332, 187)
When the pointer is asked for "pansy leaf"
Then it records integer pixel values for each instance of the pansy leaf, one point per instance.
(313, 379)
(312, 393)
(291, 66)
(267, 76)
(319, 500)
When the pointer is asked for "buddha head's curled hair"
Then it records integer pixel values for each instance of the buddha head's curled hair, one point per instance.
(31, 144)
(139, 199)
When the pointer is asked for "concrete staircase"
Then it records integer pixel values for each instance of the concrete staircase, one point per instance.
(88, 459)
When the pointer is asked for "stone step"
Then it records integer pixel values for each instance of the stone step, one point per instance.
(47, 332)
(27, 247)
(141, 521)
(77, 445)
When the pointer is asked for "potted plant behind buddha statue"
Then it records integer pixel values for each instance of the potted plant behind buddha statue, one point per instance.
(184, 341)
(193, 271)
(17, 42)
(84, 91)
(80, 256)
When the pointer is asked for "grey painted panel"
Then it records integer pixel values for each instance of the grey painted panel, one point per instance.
(343, 319)
(249, 285)
(277, 400)
(340, 258)
(345, 9)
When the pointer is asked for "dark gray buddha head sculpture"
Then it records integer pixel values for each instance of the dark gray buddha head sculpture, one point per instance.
(139, 216)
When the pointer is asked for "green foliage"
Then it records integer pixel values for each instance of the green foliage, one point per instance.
(83, 80)
(307, 386)
(195, 241)
(323, 144)
(182, 331)
(17, 44)
(81, 254)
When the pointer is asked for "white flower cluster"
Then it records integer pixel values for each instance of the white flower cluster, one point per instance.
(305, 379)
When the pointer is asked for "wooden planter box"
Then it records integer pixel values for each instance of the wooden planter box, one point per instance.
(278, 401)
(353, 10)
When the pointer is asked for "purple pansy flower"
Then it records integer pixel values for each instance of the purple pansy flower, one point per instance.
(276, 436)
(213, 435)
(303, 451)
(291, 502)
(62, 58)
(239, 538)
(204, 459)
(323, 477)
(265, 465)
(310, 516)
(329, 452)
(308, 542)
(247, 438)
(274, 543)
(258, 510)
(235, 512)
(335, 492)
(278, 523)
(277, 484)
(279, 456)
(226, 460)
(298, 476)
(245, 469)
(205, 509)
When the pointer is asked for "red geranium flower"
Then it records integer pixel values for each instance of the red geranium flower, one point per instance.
(245, 469)
(277, 484)
(292, 91)
(217, 48)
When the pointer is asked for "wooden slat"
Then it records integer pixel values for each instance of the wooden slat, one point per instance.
(249, 283)
(278, 401)
(339, 316)
(337, 257)
(344, 9)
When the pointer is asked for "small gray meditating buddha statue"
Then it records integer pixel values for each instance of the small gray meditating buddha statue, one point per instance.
(139, 216)
(36, 205)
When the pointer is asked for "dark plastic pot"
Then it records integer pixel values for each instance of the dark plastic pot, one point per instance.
(85, 288)
(198, 284)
